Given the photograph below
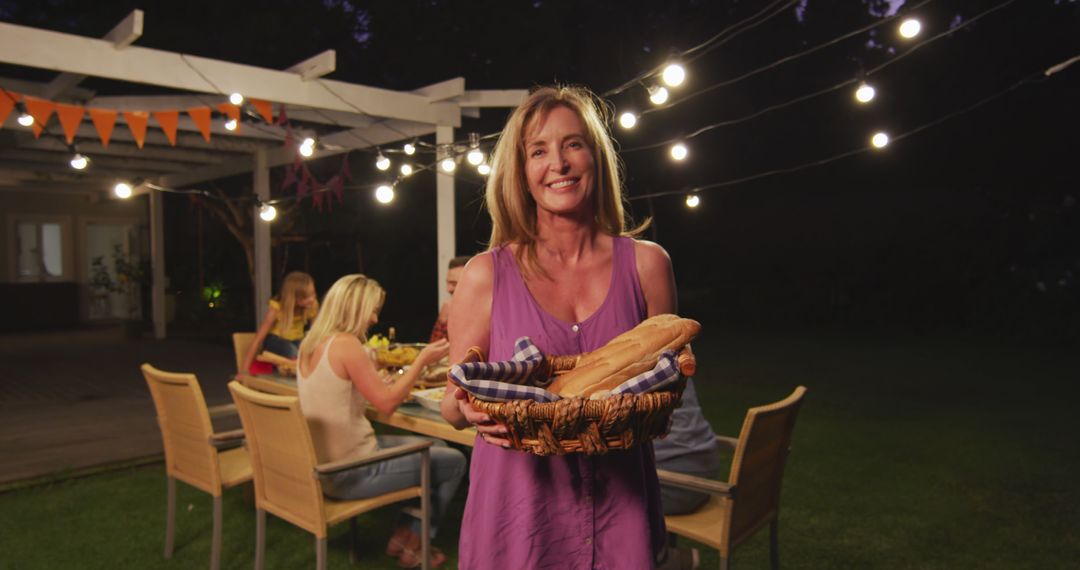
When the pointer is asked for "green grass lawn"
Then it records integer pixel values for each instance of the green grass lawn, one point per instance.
(910, 452)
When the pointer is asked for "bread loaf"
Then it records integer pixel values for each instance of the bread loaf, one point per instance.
(626, 355)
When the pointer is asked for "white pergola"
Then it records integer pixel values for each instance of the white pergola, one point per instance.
(351, 116)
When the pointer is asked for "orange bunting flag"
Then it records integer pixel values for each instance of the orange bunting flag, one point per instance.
(104, 121)
(201, 117)
(41, 110)
(136, 121)
(7, 103)
(168, 121)
(70, 118)
(231, 111)
(265, 109)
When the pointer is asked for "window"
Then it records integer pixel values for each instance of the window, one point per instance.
(40, 251)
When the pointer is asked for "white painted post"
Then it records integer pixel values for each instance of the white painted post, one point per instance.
(261, 184)
(157, 262)
(444, 212)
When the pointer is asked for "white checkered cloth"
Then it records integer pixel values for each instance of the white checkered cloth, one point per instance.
(502, 381)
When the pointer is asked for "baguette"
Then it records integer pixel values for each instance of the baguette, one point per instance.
(625, 356)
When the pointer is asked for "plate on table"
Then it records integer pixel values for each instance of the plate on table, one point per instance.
(430, 398)
(398, 355)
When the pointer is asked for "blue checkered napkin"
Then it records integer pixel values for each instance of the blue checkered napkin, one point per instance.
(502, 381)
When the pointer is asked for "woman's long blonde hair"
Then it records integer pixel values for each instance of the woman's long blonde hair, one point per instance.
(347, 308)
(512, 208)
(296, 282)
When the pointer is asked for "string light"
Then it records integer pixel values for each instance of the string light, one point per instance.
(679, 152)
(230, 125)
(693, 201)
(658, 95)
(674, 75)
(475, 157)
(122, 190)
(384, 194)
(446, 162)
(236, 99)
(267, 212)
(483, 169)
(307, 148)
(448, 165)
(26, 119)
(865, 93)
(627, 120)
(879, 140)
(406, 169)
(910, 28)
(381, 162)
(79, 161)
(409, 148)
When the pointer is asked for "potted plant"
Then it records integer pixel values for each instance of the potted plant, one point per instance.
(125, 277)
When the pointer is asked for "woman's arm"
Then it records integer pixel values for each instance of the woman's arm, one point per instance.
(260, 336)
(656, 277)
(349, 353)
(470, 325)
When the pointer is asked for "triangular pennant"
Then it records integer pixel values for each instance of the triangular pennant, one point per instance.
(70, 118)
(335, 186)
(282, 118)
(317, 197)
(346, 172)
(104, 121)
(265, 109)
(290, 177)
(136, 121)
(7, 103)
(201, 117)
(41, 110)
(232, 112)
(168, 121)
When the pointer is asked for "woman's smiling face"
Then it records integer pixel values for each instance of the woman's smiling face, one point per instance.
(559, 163)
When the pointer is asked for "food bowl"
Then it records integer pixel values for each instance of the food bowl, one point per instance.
(430, 398)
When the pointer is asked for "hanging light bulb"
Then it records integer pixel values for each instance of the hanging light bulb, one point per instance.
(267, 212)
(483, 169)
(446, 162)
(26, 119)
(406, 169)
(122, 190)
(79, 161)
(236, 99)
(382, 163)
(475, 157)
(910, 28)
(658, 95)
(230, 125)
(679, 151)
(384, 194)
(307, 148)
(627, 120)
(879, 140)
(865, 93)
(410, 149)
(448, 165)
(674, 75)
(692, 201)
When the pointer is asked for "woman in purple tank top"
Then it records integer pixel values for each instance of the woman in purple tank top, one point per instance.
(562, 270)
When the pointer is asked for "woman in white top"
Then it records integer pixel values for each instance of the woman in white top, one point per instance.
(337, 380)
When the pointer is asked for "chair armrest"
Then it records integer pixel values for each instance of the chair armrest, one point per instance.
(693, 483)
(225, 438)
(222, 410)
(729, 442)
(381, 455)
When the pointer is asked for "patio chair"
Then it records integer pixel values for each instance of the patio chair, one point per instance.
(241, 342)
(751, 496)
(192, 452)
(287, 474)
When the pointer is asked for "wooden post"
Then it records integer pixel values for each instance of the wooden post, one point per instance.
(263, 286)
(157, 262)
(444, 211)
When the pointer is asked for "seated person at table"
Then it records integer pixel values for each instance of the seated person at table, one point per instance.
(337, 380)
(289, 314)
(453, 274)
(691, 448)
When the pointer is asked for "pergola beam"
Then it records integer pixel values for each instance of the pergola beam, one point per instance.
(316, 66)
(124, 34)
(119, 149)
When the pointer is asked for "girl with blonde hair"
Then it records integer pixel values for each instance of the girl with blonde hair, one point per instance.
(337, 380)
(286, 319)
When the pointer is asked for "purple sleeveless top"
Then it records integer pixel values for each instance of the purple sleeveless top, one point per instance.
(573, 511)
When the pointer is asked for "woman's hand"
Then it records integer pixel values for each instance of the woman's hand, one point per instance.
(491, 432)
(433, 352)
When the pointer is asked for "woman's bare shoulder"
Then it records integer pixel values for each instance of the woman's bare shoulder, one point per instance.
(651, 256)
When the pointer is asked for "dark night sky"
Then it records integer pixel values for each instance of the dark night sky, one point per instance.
(971, 223)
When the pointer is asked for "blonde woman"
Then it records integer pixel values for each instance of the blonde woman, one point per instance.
(288, 315)
(563, 269)
(337, 380)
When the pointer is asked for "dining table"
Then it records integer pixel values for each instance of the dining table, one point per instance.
(409, 416)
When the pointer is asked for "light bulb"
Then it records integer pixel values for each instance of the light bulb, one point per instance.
(674, 75)
(448, 165)
(384, 194)
(658, 95)
(679, 151)
(267, 212)
(230, 125)
(79, 162)
(26, 119)
(910, 28)
(410, 149)
(307, 148)
(122, 190)
(382, 163)
(236, 98)
(475, 157)
(483, 169)
(627, 120)
(865, 93)
(879, 140)
(406, 169)
(692, 201)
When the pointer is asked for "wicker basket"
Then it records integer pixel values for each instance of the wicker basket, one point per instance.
(580, 425)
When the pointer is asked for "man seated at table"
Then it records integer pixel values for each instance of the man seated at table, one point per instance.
(453, 273)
